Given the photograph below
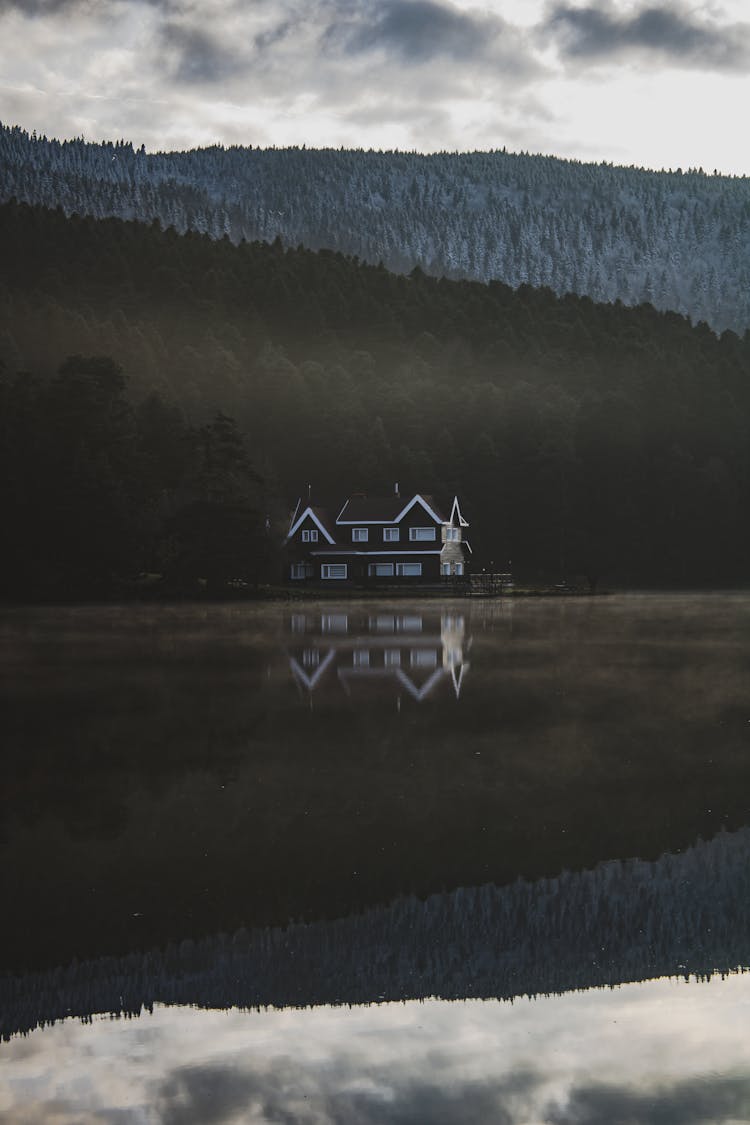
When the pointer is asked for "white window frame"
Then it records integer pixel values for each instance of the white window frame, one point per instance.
(453, 535)
(361, 658)
(459, 569)
(380, 570)
(422, 534)
(310, 535)
(360, 534)
(414, 570)
(391, 534)
(445, 570)
(327, 571)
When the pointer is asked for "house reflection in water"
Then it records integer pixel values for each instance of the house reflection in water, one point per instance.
(414, 653)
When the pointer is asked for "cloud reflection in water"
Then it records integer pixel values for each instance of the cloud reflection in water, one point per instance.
(662, 1051)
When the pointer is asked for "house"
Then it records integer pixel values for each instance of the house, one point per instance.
(377, 540)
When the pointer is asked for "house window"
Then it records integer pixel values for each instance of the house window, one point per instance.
(409, 624)
(310, 536)
(311, 657)
(380, 570)
(421, 534)
(361, 658)
(360, 535)
(383, 623)
(459, 568)
(390, 535)
(333, 570)
(423, 658)
(301, 570)
(409, 570)
(392, 658)
(334, 623)
(445, 569)
(452, 535)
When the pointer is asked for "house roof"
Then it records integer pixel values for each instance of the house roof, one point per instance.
(320, 516)
(382, 509)
(370, 509)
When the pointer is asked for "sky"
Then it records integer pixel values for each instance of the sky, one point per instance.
(662, 1051)
(657, 83)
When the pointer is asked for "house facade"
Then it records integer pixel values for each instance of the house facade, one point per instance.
(378, 540)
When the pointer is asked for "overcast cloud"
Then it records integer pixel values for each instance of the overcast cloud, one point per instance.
(424, 74)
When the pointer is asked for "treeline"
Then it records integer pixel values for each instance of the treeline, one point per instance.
(584, 438)
(680, 916)
(96, 491)
(678, 239)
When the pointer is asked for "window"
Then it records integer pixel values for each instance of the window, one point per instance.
(311, 657)
(423, 658)
(380, 570)
(408, 570)
(390, 535)
(409, 624)
(361, 658)
(452, 535)
(334, 623)
(383, 623)
(459, 568)
(445, 569)
(301, 570)
(299, 622)
(360, 535)
(333, 570)
(421, 534)
(392, 658)
(310, 536)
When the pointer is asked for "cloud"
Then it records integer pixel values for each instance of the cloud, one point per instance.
(420, 30)
(718, 1099)
(599, 32)
(198, 57)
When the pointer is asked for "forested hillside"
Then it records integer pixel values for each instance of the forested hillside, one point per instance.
(584, 438)
(680, 240)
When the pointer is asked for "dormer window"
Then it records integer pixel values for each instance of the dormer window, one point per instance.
(360, 535)
(421, 534)
(310, 536)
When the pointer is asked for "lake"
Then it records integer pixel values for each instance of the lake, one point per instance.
(480, 860)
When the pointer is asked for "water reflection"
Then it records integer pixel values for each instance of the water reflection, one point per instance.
(681, 915)
(412, 654)
(661, 1052)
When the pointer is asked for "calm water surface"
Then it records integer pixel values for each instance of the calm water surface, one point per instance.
(258, 830)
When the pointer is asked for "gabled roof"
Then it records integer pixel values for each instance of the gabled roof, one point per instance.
(456, 514)
(370, 509)
(320, 517)
(389, 509)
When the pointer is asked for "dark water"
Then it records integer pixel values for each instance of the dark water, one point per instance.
(539, 801)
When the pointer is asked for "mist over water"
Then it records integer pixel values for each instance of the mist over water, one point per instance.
(179, 773)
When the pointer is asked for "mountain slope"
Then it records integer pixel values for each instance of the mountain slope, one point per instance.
(678, 240)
